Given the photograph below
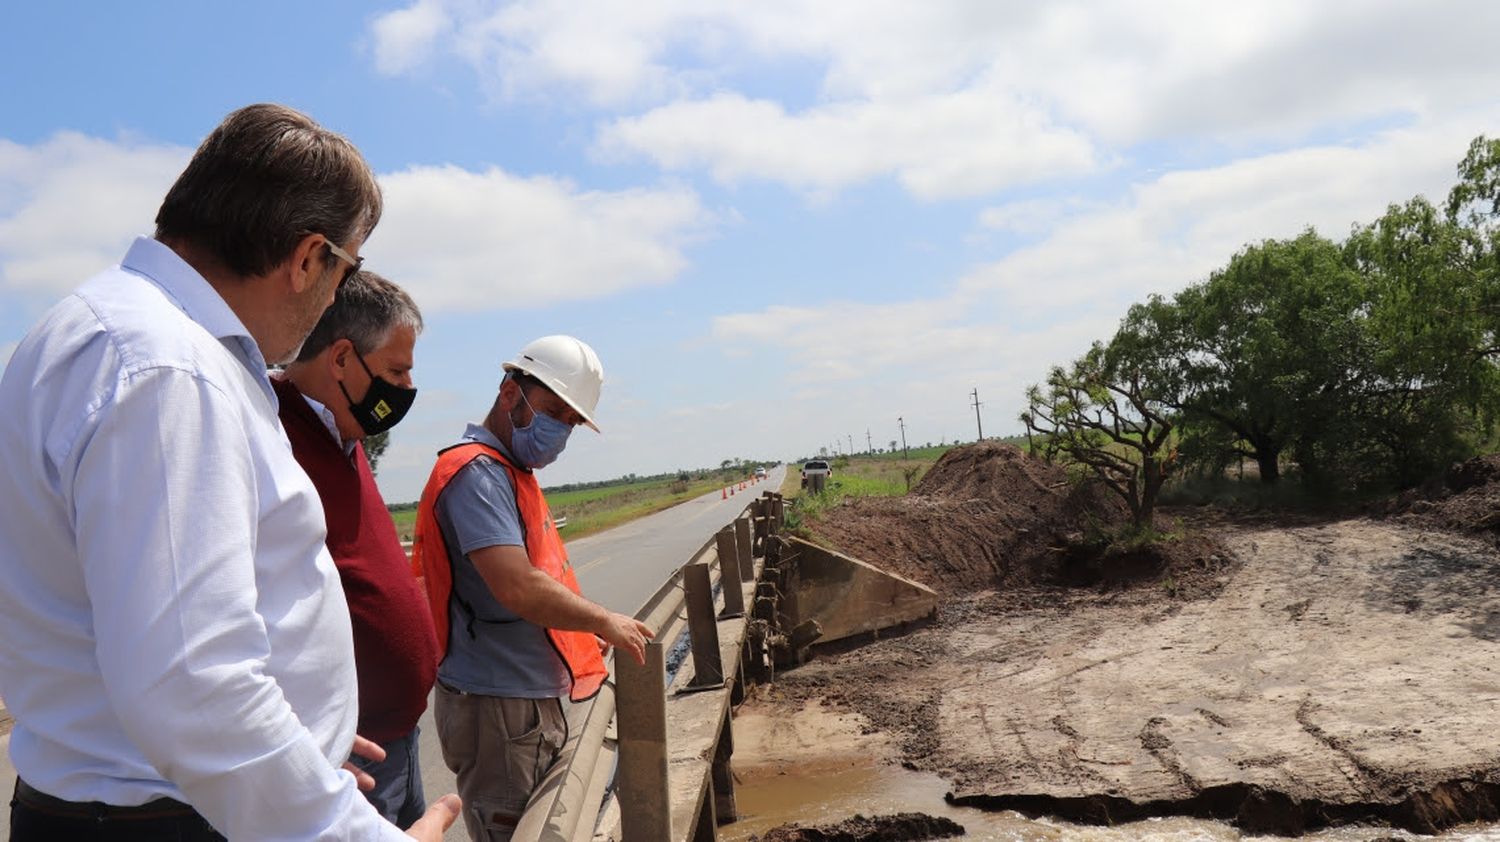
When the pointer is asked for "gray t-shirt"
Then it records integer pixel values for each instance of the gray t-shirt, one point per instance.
(491, 651)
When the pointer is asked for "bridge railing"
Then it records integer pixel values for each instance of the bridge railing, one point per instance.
(648, 758)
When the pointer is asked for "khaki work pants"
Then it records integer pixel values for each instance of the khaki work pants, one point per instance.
(499, 749)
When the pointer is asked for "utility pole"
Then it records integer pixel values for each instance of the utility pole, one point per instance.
(869, 445)
(850, 436)
(902, 423)
(977, 420)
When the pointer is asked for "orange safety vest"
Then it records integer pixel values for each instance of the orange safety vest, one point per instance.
(430, 560)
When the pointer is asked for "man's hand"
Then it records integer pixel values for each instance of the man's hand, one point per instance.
(628, 634)
(437, 819)
(369, 750)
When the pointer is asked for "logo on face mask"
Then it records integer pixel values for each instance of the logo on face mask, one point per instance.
(384, 404)
(539, 443)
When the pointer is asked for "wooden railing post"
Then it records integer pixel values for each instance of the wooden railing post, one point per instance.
(742, 542)
(729, 574)
(703, 628)
(641, 707)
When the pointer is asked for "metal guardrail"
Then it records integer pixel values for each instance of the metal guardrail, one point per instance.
(677, 789)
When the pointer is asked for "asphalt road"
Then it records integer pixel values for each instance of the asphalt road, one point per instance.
(620, 569)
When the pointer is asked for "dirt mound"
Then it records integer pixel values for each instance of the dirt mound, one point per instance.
(991, 470)
(1467, 500)
(989, 515)
(896, 828)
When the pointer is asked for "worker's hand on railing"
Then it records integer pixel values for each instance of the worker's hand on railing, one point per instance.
(628, 634)
(437, 819)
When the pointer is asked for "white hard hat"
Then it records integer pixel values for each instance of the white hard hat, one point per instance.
(567, 366)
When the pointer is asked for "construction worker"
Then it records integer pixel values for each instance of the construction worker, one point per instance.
(518, 638)
(352, 379)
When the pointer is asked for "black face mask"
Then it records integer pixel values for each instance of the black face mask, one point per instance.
(385, 403)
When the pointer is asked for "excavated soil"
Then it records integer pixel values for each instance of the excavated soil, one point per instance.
(1283, 678)
(1467, 500)
(989, 516)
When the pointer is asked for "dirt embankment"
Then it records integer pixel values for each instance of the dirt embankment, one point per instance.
(1302, 676)
(987, 515)
(1467, 500)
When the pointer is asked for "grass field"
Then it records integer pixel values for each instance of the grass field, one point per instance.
(889, 474)
(591, 510)
(876, 475)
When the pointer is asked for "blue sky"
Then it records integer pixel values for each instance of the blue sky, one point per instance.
(780, 224)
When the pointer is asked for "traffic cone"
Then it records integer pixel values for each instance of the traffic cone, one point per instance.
(731, 491)
(723, 494)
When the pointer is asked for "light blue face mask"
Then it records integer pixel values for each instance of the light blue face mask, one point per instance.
(539, 443)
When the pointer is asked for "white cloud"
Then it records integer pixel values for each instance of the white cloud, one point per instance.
(1003, 324)
(405, 38)
(70, 205)
(507, 241)
(966, 96)
(1174, 230)
(1035, 216)
(928, 144)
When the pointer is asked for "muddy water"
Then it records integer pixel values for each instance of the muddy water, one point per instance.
(768, 796)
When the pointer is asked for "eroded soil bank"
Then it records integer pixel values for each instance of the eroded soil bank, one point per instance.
(1283, 678)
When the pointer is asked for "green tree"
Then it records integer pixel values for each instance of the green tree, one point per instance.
(1474, 204)
(1430, 382)
(1252, 355)
(1098, 413)
(375, 448)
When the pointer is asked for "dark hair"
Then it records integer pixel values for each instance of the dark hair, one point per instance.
(264, 179)
(523, 380)
(364, 311)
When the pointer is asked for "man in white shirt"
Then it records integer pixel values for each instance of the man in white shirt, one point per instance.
(174, 642)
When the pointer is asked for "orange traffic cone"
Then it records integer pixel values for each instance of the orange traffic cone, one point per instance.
(723, 494)
(731, 491)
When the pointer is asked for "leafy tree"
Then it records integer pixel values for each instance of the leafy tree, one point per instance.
(1430, 381)
(1098, 413)
(1254, 352)
(375, 448)
(1475, 200)
(1474, 204)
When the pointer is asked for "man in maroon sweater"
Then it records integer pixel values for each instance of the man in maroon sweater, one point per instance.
(352, 379)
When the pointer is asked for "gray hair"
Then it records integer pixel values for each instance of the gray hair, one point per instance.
(364, 311)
